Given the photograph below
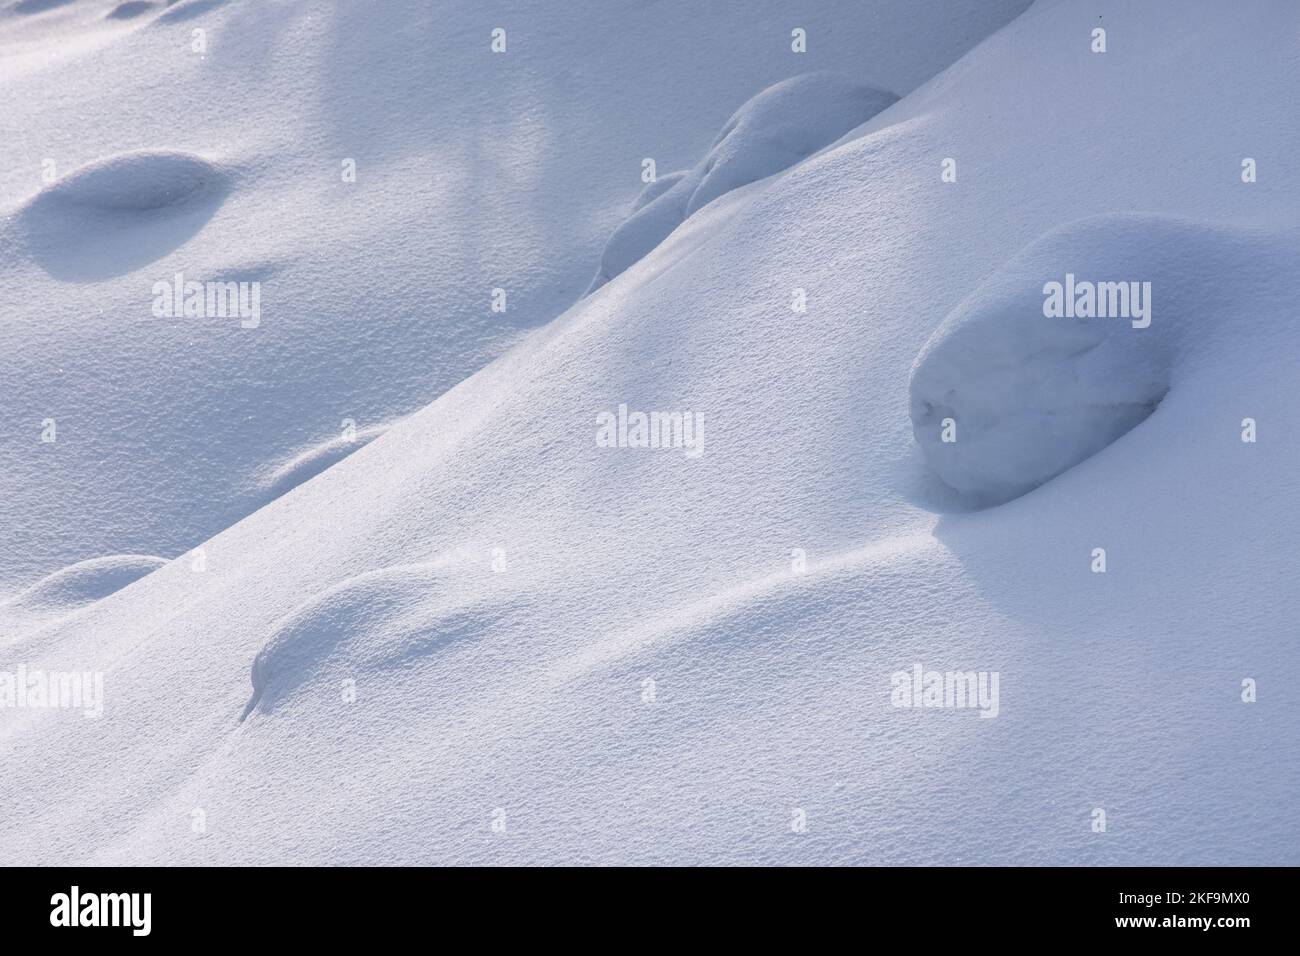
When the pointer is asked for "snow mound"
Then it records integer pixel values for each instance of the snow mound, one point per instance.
(137, 181)
(122, 212)
(188, 10)
(377, 621)
(83, 583)
(316, 459)
(37, 6)
(783, 124)
(129, 9)
(1005, 397)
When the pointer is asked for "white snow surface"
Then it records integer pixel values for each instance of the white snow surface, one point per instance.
(482, 616)
(777, 128)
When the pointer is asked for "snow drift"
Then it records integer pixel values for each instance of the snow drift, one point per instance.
(780, 126)
(484, 638)
(120, 213)
(1024, 395)
(474, 171)
(82, 583)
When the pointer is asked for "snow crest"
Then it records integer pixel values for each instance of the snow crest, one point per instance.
(379, 621)
(84, 582)
(785, 123)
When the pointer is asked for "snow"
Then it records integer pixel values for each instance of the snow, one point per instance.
(1024, 398)
(129, 8)
(780, 126)
(477, 635)
(75, 586)
(315, 459)
(474, 171)
(117, 215)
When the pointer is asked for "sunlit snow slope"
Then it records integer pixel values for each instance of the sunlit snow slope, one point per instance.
(483, 637)
(221, 156)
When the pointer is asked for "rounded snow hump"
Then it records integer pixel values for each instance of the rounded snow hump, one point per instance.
(1068, 347)
(785, 123)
